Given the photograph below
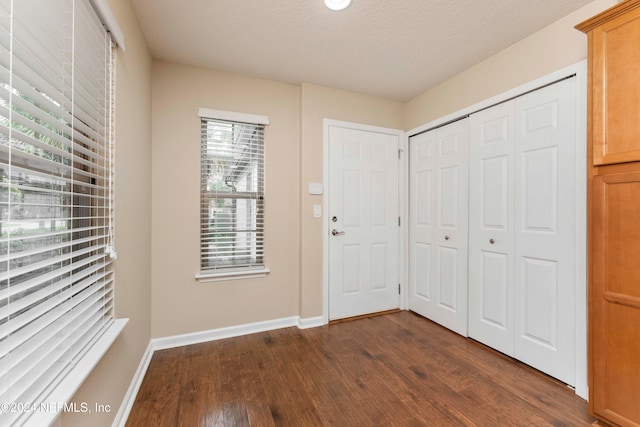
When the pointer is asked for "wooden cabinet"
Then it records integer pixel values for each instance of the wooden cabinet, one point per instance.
(614, 47)
(615, 298)
(614, 213)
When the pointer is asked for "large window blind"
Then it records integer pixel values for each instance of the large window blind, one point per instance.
(56, 282)
(232, 196)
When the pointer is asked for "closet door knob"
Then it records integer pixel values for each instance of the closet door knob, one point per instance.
(492, 241)
(446, 237)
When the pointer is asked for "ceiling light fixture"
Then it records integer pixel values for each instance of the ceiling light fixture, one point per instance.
(337, 4)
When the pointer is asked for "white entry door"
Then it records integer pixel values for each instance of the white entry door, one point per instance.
(363, 214)
(522, 231)
(438, 215)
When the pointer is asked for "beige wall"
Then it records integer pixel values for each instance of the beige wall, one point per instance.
(550, 49)
(180, 304)
(319, 103)
(293, 238)
(110, 380)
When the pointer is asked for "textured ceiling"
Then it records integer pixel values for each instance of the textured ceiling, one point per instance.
(395, 49)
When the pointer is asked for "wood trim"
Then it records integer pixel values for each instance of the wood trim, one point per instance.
(607, 15)
(364, 316)
(616, 298)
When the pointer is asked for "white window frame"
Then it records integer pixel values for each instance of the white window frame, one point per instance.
(230, 273)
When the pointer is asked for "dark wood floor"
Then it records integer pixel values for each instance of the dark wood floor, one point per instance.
(397, 369)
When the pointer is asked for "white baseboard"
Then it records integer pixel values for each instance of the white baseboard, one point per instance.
(127, 403)
(201, 337)
(222, 333)
(310, 322)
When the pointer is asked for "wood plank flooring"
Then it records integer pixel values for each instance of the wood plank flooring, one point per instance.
(393, 370)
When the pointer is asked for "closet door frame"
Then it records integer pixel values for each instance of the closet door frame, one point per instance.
(580, 71)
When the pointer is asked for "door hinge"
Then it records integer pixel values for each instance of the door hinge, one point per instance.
(398, 221)
(399, 153)
(398, 288)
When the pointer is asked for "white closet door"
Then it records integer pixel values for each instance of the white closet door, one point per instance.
(545, 230)
(522, 231)
(491, 224)
(439, 225)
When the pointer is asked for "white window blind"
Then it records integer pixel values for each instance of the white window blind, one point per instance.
(232, 196)
(56, 281)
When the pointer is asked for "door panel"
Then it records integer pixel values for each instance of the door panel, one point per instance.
(494, 290)
(540, 190)
(363, 197)
(495, 190)
(351, 269)
(545, 231)
(422, 265)
(448, 278)
(448, 199)
(491, 205)
(438, 225)
(422, 149)
(540, 286)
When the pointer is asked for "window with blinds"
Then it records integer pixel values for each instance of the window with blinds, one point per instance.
(56, 281)
(232, 196)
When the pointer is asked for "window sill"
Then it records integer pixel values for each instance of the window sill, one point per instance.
(204, 277)
(64, 392)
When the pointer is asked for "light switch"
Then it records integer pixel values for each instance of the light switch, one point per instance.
(317, 211)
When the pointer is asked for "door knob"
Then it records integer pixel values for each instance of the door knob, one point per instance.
(492, 241)
(446, 237)
(335, 232)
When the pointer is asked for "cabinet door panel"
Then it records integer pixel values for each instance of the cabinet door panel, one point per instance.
(615, 298)
(616, 90)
